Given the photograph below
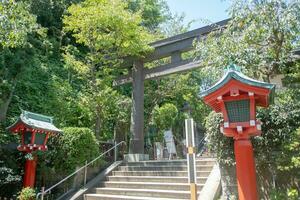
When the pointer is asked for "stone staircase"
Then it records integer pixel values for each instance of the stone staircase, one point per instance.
(151, 180)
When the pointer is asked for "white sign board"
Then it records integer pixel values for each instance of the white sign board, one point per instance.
(168, 135)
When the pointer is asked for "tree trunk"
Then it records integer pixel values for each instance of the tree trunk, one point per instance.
(228, 182)
(97, 124)
(5, 105)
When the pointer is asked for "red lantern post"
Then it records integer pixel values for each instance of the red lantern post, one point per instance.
(30, 169)
(34, 130)
(236, 97)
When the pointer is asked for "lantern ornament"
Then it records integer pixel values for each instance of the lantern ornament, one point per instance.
(236, 97)
(35, 130)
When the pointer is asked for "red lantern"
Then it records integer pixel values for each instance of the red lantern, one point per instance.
(34, 130)
(236, 97)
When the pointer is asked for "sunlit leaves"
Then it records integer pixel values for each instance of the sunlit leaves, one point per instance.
(74, 64)
(16, 22)
(164, 116)
(107, 27)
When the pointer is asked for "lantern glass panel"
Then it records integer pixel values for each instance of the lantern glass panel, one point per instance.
(238, 111)
(40, 138)
(27, 137)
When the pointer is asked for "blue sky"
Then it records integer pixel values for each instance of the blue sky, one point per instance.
(212, 10)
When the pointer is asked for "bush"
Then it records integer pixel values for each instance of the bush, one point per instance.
(75, 146)
(273, 149)
(27, 194)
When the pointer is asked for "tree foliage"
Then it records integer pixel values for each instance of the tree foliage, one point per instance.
(153, 12)
(16, 27)
(259, 37)
(179, 90)
(107, 28)
(109, 32)
(75, 146)
(164, 116)
(280, 123)
(16, 24)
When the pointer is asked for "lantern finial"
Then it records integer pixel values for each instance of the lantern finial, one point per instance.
(232, 67)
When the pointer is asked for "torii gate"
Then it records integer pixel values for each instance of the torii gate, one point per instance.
(170, 47)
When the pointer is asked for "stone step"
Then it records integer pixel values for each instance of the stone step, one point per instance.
(149, 185)
(175, 194)
(164, 168)
(158, 173)
(122, 197)
(208, 161)
(158, 179)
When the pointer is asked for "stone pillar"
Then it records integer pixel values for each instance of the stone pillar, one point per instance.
(137, 115)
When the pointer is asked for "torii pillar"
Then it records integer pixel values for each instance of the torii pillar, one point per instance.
(136, 147)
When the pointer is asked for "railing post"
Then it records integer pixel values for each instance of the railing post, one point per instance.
(43, 190)
(85, 172)
(115, 151)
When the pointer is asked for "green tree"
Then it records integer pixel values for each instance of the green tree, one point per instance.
(108, 33)
(259, 37)
(17, 23)
(49, 13)
(153, 12)
(289, 163)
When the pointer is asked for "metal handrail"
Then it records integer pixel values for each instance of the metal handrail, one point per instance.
(75, 172)
(202, 146)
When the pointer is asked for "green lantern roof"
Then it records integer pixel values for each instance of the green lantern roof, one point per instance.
(36, 121)
(233, 72)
